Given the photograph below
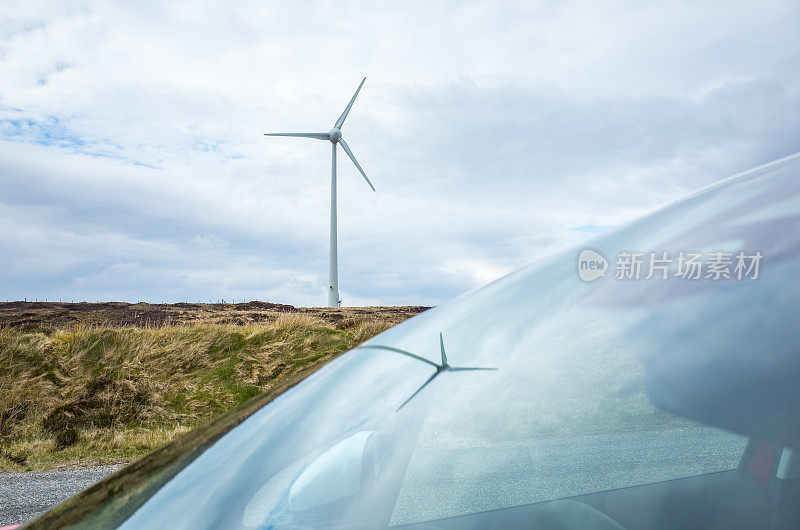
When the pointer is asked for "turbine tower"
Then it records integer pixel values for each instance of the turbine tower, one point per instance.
(334, 136)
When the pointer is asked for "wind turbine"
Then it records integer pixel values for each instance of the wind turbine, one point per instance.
(334, 136)
(440, 368)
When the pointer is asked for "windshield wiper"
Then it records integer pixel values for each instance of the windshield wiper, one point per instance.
(443, 367)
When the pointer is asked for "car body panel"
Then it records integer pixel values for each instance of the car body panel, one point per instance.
(601, 385)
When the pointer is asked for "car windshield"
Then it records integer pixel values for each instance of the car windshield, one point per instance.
(547, 385)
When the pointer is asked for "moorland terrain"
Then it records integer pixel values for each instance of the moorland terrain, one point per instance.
(88, 383)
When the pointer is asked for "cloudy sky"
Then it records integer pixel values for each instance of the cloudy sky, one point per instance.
(133, 166)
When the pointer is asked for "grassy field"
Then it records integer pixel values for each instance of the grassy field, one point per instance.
(77, 388)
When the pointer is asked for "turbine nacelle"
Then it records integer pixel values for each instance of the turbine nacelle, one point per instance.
(335, 134)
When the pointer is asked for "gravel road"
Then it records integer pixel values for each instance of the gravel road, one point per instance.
(26, 495)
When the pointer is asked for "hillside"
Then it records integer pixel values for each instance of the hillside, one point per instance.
(88, 383)
(61, 314)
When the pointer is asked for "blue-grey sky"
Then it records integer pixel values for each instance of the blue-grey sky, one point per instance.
(132, 165)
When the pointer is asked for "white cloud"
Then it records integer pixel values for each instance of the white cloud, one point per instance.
(131, 134)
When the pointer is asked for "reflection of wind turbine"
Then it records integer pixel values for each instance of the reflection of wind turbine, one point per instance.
(444, 367)
(335, 137)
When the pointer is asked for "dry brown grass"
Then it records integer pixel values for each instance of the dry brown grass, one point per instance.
(84, 394)
(53, 315)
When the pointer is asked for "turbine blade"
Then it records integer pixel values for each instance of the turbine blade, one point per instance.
(431, 378)
(402, 352)
(353, 158)
(467, 368)
(343, 117)
(318, 136)
(444, 355)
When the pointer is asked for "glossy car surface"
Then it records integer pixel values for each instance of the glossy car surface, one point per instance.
(660, 402)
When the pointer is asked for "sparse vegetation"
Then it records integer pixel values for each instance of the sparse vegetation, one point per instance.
(84, 393)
